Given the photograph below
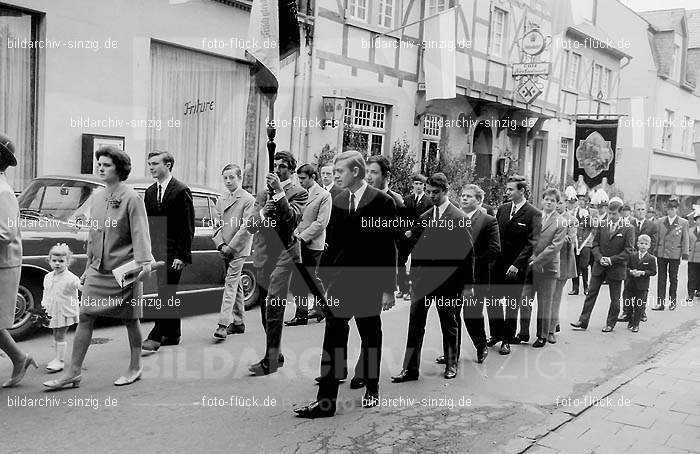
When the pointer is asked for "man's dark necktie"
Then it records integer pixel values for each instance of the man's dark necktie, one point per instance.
(352, 203)
(160, 194)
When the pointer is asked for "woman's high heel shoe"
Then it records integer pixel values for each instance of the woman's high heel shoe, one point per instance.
(13, 381)
(62, 383)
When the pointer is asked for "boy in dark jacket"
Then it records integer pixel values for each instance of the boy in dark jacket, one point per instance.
(640, 267)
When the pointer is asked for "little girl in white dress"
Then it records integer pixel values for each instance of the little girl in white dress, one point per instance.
(60, 300)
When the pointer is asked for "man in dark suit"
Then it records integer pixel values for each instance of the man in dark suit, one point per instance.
(613, 244)
(361, 258)
(278, 212)
(519, 226)
(416, 204)
(171, 225)
(444, 268)
(642, 226)
(378, 173)
(484, 231)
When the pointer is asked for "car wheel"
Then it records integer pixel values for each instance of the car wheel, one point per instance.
(250, 288)
(28, 295)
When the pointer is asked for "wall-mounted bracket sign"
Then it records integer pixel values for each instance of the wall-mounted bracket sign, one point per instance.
(530, 74)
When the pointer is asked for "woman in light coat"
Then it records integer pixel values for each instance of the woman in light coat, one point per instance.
(120, 236)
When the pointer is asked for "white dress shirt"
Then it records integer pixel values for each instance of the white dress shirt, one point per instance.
(517, 207)
(163, 187)
(358, 194)
(441, 209)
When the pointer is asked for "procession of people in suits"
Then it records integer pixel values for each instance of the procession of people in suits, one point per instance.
(346, 246)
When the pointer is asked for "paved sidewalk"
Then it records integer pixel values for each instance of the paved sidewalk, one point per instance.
(654, 407)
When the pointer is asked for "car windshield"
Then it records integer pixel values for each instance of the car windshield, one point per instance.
(56, 198)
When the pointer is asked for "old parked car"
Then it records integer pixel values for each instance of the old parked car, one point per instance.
(53, 209)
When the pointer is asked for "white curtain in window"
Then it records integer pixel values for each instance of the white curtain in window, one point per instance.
(16, 101)
(184, 84)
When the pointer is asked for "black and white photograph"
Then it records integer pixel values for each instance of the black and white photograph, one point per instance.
(350, 226)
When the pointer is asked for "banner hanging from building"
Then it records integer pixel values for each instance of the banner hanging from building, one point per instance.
(440, 57)
(596, 144)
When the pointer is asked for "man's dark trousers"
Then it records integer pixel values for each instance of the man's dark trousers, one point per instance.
(168, 322)
(307, 280)
(667, 267)
(615, 287)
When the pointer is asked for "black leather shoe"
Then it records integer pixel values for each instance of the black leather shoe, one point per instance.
(573, 292)
(370, 399)
(319, 378)
(316, 315)
(658, 308)
(296, 321)
(450, 372)
(644, 317)
(315, 410)
(235, 329)
(505, 348)
(357, 383)
(405, 375)
(578, 325)
(170, 341)
(585, 291)
(635, 329)
(624, 320)
(492, 341)
(557, 329)
(440, 359)
(260, 368)
(481, 355)
(523, 338)
(672, 306)
(607, 329)
(539, 343)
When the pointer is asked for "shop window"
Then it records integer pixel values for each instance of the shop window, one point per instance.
(205, 94)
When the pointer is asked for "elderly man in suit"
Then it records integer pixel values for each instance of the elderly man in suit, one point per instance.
(362, 259)
(642, 226)
(672, 247)
(171, 224)
(311, 233)
(519, 226)
(444, 264)
(279, 210)
(544, 266)
(234, 242)
(613, 243)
